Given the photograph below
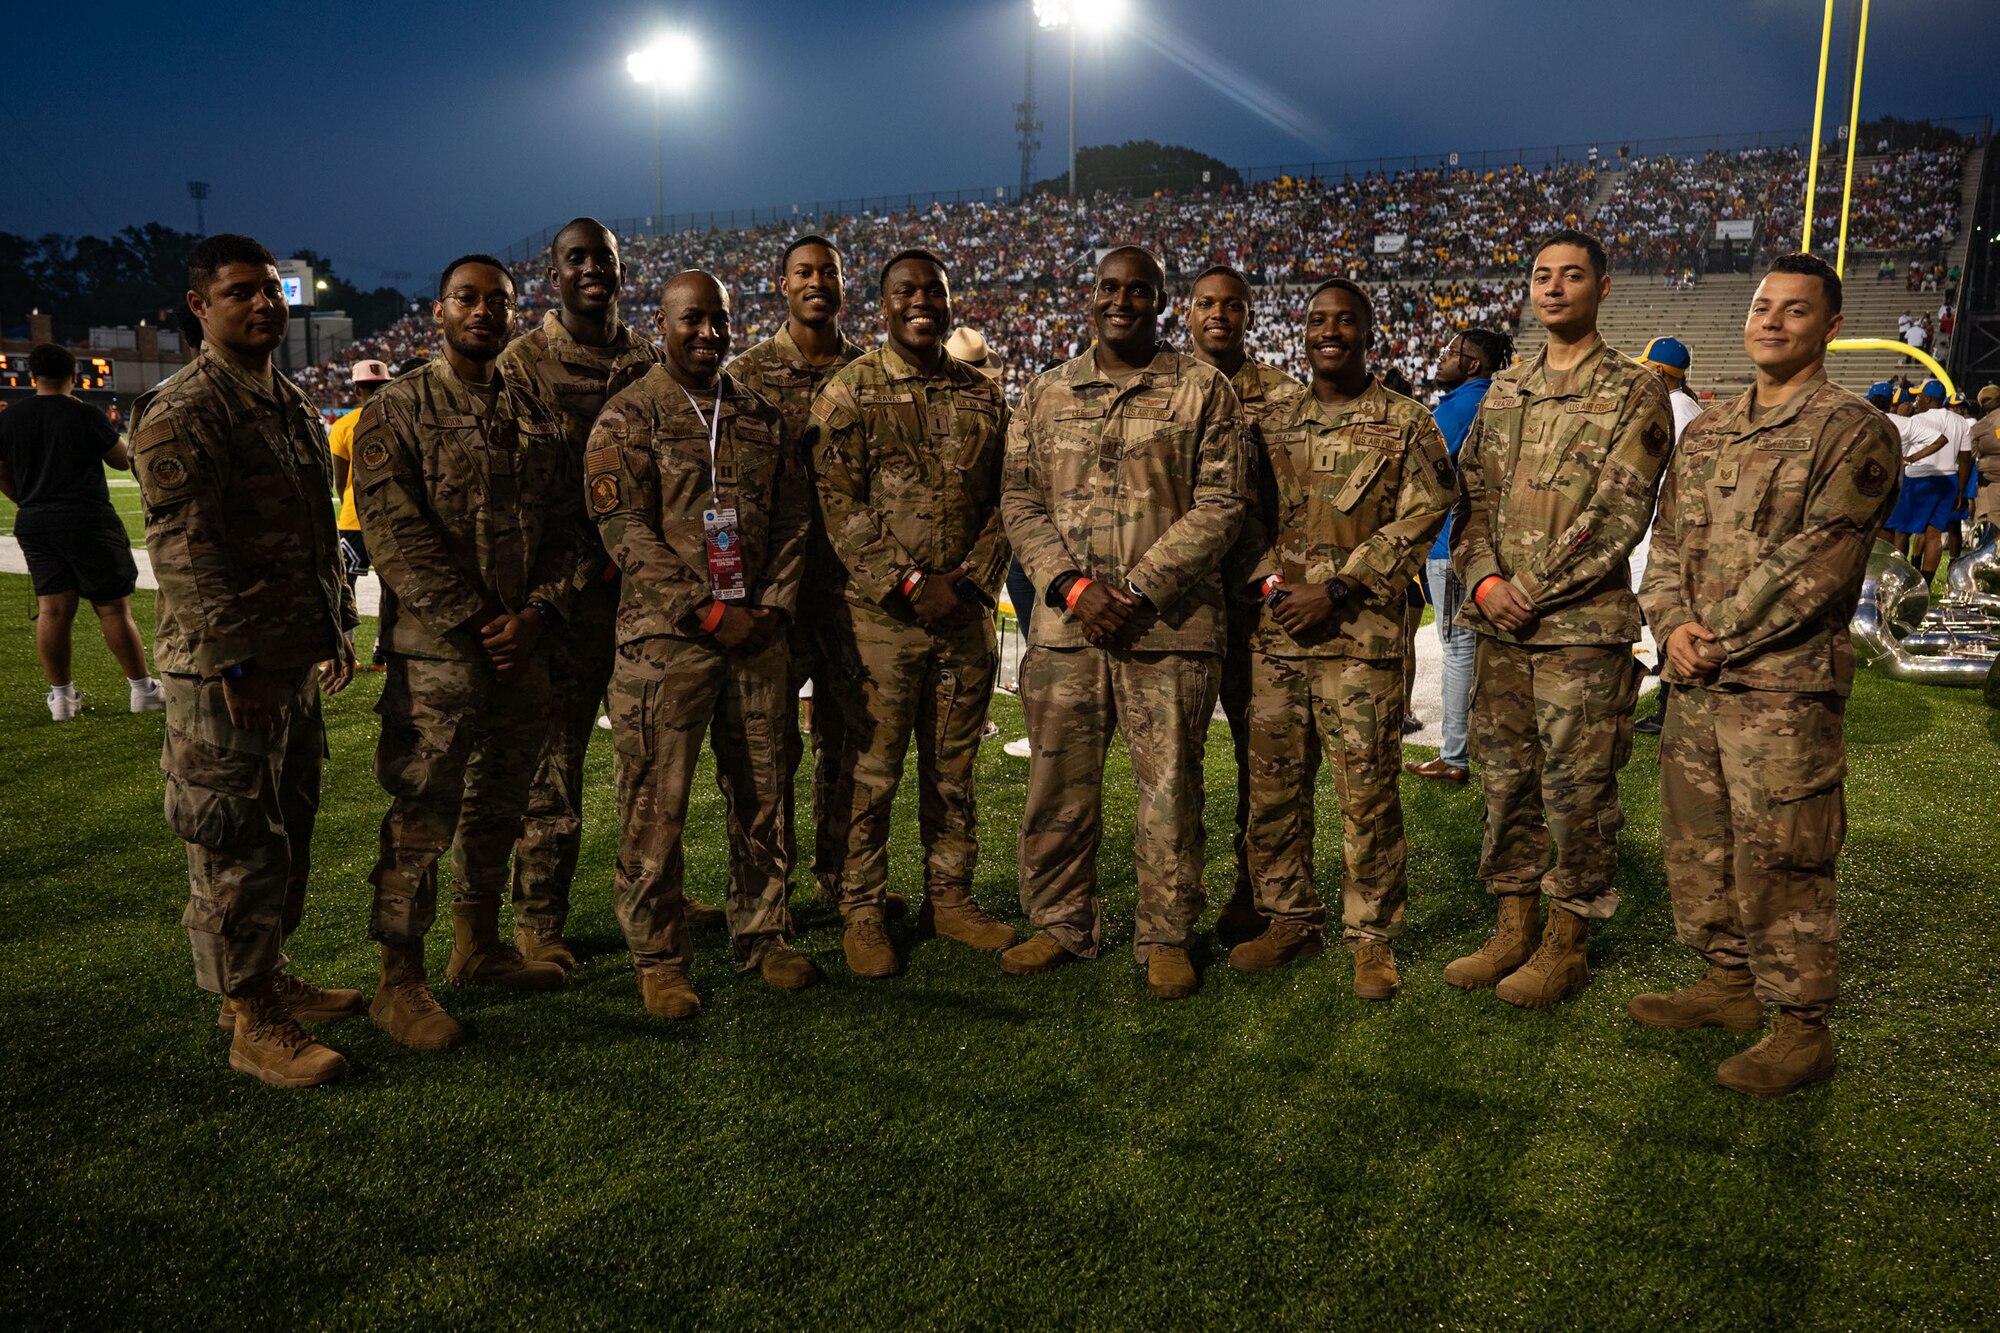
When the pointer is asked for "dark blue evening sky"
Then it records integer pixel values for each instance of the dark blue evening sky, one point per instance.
(391, 136)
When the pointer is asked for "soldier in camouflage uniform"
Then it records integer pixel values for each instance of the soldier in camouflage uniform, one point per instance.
(456, 478)
(1124, 491)
(1558, 474)
(788, 369)
(1986, 463)
(1220, 313)
(906, 447)
(580, 356)
(702, 502)
(246, 608)
(1359, 484)
(1766, 520)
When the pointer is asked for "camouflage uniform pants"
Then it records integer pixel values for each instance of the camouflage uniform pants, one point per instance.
(805, 635)
(1552, 726)
(665, 693)
(552, 830)
(1752, 816)
(245, 804)
(892, 680)
(456, 755)
(1162, 703)
(1236, 709)
(1354, 708)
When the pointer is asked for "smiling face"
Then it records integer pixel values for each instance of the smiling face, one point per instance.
(1125, 304)
(694, 327)
(1790, 324)
(1566, 290)
(813, 285)
(243, 311)
(916, 306)
(587, 271)
(1338, 331)
(475, 310)
(1219, 315)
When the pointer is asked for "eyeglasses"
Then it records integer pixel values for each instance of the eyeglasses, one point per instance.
(498, 302)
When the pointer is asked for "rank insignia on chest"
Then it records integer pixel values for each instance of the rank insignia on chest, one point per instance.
(604, 494)
(938, 417)
(374, 454)
(1725, 474)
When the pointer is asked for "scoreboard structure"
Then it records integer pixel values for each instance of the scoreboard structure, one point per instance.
(92, 372)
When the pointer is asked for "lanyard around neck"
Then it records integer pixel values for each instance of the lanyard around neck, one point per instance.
(714, 423)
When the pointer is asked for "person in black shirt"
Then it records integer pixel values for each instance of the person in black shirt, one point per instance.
(52, 455)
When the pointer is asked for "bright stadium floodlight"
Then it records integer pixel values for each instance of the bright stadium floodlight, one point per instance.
(1098, 17)
(664, 61)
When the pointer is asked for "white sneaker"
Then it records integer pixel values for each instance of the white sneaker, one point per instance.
(603, 722)
(147, 696)
(65, 702)
(1020, 749)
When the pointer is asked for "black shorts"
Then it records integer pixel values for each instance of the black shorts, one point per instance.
(91, 558)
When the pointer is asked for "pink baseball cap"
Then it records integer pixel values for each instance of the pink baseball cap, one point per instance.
(371, 372)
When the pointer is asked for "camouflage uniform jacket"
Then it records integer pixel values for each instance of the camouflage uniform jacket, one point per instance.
(575, 381)
(1262, 390)
(458, 504)
(1986, 448)
(1360, 490)
(648, 479)
(1764, 533)
(907, 467)
(1558, 474)
(780, 373)
(1141, 482)
(235, 480)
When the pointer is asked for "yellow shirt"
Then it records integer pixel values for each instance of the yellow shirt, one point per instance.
(340, 443)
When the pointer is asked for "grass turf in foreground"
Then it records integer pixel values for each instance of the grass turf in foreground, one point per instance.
(961, 1148)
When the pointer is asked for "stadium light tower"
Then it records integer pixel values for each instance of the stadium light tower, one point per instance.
(669, 59)
(1099, 16)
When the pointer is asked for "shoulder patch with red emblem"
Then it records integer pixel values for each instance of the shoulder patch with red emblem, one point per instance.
(605, 493)
(374, 454)
(168, 472)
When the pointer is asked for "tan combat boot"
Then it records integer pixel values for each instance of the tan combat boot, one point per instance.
(1513, 941)
(786, 968)
(1239, 919)
(668, 993)
(1375, 975)
(404, 1006)
(1798, 1051)
(270, 1044)
(866, 945)
(1559, 968)
(478, 958)
(308, 1003)
(1282, 942)
(1036, 954)
(1724, 997)
(1170, 974)
(949, 911)
(539, 943)
(698, 915)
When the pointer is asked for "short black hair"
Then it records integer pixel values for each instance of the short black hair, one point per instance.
(1582, 240)
(915, 252)
(1152, 260)
(572, 225)
(801, 242)
(1812, 266)
(211, 253)
(1352, 288)
(1495, 347)
(1219, 271)
(46, 361)
(444, 278)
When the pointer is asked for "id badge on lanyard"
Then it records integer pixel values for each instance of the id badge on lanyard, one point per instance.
(721, 536)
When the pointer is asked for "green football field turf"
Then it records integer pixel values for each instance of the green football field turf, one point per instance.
(957, 1148)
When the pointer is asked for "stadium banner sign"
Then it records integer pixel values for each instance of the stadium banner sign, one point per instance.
(1391, 242)
(1734, 229)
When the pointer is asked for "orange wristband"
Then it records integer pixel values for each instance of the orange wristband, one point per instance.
(713, 617)
(1485, 586)
(1076, 591)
